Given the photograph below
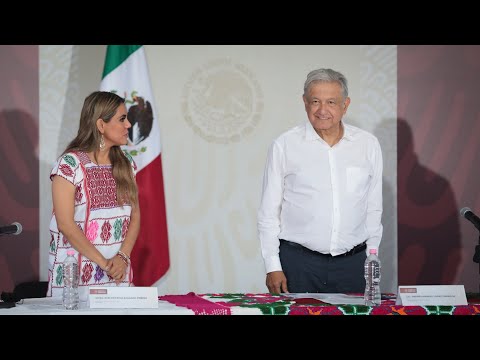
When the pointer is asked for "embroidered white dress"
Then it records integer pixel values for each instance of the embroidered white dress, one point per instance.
(96, 212)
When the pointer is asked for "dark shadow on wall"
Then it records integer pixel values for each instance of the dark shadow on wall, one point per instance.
(19, 143)
(386, 133)
(429, 241)
(20, 198)
(388, 246)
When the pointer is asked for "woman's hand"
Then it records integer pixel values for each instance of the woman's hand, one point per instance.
(118, 269)
(106, 265)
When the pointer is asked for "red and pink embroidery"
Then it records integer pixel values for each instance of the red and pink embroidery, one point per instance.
(92, 230)
(125, 224)
(87, 271)
(101, 187)
(66, 170)
(106, 231)
(78, 193)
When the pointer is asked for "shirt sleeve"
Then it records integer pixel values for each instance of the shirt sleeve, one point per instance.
(375, 199)
(268, 218)
(67, 167)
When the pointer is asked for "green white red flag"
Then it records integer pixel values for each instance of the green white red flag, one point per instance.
(126, 73)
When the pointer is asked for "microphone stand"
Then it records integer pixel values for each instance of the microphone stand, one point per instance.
(6, 305)
(8, 301)
(476, 257)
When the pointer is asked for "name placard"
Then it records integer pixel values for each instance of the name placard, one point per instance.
(424, 295)
(122, 297)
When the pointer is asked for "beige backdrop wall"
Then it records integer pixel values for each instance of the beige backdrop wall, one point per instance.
(214, 147)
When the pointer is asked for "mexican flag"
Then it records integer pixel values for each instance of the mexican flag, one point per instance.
(126, 73)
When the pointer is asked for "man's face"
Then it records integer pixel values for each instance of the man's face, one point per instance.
(325, 105)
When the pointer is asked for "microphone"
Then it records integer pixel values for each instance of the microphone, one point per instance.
(470, 216)
(14, 229)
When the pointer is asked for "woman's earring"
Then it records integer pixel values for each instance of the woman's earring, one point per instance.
(102, 143)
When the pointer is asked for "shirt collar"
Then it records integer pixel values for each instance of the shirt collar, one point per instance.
(311, 134)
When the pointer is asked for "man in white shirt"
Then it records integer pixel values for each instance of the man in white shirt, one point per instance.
(321, 204)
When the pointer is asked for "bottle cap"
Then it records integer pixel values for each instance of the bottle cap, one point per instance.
(372, 251)
(70, 252)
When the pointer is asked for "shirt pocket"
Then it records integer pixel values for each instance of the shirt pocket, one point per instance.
(357, 180)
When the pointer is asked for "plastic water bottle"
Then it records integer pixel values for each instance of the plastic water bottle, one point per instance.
(70, 281)
(373, 265)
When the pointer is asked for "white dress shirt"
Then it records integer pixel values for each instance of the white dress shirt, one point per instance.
(328, 199)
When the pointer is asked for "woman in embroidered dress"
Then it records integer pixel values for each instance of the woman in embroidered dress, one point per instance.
(95, 199)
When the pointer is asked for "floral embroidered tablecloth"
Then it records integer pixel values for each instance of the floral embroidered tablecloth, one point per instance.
(269, 304)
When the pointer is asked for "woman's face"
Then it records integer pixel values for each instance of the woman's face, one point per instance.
(116, 130)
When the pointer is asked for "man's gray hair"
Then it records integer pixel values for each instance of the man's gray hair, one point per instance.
(326, 75)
